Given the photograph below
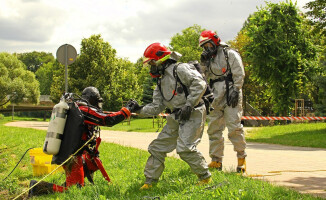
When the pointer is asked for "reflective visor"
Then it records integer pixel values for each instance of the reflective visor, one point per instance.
(203, 40)
(146, 60)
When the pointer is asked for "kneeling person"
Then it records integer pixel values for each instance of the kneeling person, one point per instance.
(86, 161)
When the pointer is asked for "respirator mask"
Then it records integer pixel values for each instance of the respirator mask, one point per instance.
(209, 51)
(155, 70)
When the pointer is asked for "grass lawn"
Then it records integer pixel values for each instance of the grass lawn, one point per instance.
(303, 135)
(125, 167)
(139, 125)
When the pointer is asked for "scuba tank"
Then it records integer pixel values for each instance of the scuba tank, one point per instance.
(56, 127)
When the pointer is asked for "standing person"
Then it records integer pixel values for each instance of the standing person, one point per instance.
(84, 117)
(223, 67)
(185, 125)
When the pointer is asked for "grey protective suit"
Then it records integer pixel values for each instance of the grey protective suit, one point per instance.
(224, 114)
(177, 134)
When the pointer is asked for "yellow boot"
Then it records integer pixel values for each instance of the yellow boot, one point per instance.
(241, 168)
(205, 181)
(146, 186)
(215, 165)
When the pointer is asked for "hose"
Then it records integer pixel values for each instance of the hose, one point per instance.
(17, 163)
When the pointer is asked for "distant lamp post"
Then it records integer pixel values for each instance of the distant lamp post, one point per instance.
(13, 106)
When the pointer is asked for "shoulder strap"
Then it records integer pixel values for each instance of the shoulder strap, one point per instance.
(174, 91)
(228, 68)
(175, 74)
(226, 58)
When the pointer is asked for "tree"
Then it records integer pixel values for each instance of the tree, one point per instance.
(124, 85)
(16, 82)
(40, 63)
(34, 60)
(318, 14)
(145, 80)
(44, 75)
(186, 43)
(281, 52)
(254, 93)
(98, 66)
(93, 67)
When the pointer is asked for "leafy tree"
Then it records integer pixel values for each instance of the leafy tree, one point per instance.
(321, 105)
(98, 66)
(317, 89)
(146, 81)
(318, 14)
(93, 67)
(34, 60)
(254, 93)
(45, 76)
(58, 83)
(280, 51)
(41, 63)
(124, 86)
(186, 43)
(16, 82)
(148, 85)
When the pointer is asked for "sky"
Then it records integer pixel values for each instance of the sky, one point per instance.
(128, 25)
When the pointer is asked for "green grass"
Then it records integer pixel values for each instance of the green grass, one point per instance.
(302, 135)
(139, 125)
(125, 167)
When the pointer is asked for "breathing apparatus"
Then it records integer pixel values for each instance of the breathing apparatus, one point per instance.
(208, 53)
(157, 67)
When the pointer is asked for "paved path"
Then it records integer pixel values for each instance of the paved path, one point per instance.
(305, 163)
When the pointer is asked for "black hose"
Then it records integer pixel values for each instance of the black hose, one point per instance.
(17, 163)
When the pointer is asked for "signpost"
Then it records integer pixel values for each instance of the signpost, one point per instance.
(66, 55)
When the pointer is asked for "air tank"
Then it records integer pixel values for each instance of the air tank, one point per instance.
(56, 127)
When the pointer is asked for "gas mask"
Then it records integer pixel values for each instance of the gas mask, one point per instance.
(208, 53)
(100, 103)
(156, 70)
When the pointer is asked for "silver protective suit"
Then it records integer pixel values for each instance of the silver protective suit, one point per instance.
(177, 134)
(224, 115)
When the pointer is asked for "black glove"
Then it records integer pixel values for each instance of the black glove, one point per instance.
(234, 98)
(133, 106)
(185, 112)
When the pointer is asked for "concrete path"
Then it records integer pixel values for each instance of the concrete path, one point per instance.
(300, 168)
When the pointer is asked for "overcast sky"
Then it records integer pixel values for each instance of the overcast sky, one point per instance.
(128, 25)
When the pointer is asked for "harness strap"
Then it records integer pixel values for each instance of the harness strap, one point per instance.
(175, 88)
(86, 171)
(227, 78)
(185, 89)
(227, 64)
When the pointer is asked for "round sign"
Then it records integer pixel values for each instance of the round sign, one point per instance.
(66, 54)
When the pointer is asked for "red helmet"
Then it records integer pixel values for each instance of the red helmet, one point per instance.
(207, 36)
(155, 51)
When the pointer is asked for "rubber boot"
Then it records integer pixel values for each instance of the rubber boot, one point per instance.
(205, 181)
(41, 188)
(215, 165)
(241, 168)
(146, 186)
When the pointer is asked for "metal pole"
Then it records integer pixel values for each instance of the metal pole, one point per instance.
(13, 112)
(66, 68)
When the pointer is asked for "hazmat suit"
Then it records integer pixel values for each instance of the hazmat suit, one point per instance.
(223, 67)
(184, 126)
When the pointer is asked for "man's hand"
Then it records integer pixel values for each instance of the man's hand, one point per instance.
(185, 112)
(133, 106)
(234, 98)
